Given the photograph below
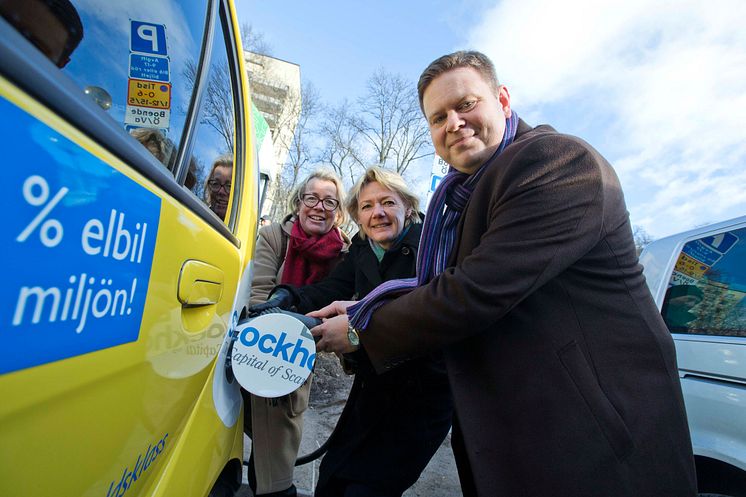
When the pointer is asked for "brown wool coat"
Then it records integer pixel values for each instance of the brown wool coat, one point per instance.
(563, 374)
(269, 262)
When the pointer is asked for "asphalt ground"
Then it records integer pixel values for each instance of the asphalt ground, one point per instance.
(328, 395)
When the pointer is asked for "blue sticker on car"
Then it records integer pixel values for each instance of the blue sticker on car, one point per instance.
(78, 247)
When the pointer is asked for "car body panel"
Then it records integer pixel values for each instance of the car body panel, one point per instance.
(151, 412)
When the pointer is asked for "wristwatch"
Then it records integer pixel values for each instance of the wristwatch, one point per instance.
(352, 335)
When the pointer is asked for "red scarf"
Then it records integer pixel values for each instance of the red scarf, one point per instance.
(310, 258)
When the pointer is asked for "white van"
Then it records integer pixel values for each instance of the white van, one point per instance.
(698, 280)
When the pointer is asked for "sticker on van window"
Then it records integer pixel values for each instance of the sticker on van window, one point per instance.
(690, 266)
(711, 249)
(78, 246)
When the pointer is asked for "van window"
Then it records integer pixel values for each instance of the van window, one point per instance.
(130, 59)
(706, 291)
(214, 143)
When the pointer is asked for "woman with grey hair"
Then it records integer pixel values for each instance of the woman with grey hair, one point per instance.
(300, 250)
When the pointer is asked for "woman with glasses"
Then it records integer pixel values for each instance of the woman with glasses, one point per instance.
(300, 250)
(218, 185)
(394, 422)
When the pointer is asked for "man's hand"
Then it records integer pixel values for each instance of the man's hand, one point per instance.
(333, 333)
(280, 297)
(334, 309)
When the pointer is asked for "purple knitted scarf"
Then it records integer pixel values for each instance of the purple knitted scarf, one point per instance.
(438, 234)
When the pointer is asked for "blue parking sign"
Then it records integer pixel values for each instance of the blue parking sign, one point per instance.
(150, 67)
(148, 38)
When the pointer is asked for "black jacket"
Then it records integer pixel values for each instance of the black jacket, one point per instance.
(398, 419)
(359, 272)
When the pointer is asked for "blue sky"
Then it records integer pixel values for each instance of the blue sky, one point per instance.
(659, 87)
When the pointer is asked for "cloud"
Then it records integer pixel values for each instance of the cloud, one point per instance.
(659, 87)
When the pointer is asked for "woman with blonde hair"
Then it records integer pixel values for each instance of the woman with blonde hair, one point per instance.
(300, 250)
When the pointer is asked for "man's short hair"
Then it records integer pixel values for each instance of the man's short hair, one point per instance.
(463, 58)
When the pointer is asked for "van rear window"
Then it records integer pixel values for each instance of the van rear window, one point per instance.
(706, 291)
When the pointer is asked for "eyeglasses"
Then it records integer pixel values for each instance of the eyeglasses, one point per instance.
(215, 186)
(310, 200)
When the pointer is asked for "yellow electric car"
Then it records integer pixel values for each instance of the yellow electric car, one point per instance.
(130, 219)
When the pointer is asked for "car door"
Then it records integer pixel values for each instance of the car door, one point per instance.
(122, 281)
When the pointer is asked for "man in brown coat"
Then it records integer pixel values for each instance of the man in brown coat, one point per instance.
(563, 374)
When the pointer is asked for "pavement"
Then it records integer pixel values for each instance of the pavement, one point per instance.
(328, 395)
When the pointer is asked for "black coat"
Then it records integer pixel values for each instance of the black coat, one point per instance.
(398, 419)
(562, 369)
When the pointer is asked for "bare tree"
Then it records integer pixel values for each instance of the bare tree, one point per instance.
(390, 121)
(217, 106)
(642, 238)
(300, 152)
(303, 113)
(411, 143)
(254, 41)
(342, 150)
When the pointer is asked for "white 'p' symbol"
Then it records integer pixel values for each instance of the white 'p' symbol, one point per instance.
(149, 33)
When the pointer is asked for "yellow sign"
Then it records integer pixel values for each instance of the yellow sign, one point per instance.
(144, 93)
(691, 266)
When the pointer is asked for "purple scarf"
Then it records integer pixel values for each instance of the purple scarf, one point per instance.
(438, 234)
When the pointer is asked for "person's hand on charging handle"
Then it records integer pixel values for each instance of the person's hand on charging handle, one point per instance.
(280, 298)
(334, 309)
(335, 334)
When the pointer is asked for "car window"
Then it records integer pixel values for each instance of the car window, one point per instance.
(705, 295)
(212, 159)
(130, 58)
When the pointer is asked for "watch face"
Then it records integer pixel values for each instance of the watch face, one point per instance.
(352, 336)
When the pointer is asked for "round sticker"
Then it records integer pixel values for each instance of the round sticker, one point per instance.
(273, 355)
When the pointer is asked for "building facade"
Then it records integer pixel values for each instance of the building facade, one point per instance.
(276, 92)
